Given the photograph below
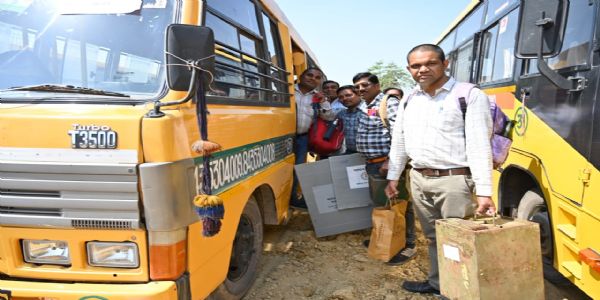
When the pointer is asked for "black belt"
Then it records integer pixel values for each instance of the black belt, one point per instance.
(443, 172)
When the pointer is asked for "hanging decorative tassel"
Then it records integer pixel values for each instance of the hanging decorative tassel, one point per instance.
(211, 210)
(205, 147)
(209, 207)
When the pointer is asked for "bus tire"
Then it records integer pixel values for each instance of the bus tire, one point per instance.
(533, 208)
(245, 255)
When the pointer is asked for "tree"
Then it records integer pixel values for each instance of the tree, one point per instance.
(391, 75)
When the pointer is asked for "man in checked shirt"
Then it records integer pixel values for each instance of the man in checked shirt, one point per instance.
(451, 158)
(373, 139)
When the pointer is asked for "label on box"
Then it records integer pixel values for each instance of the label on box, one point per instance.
(451, 252)
(325, 198)
(357, 177)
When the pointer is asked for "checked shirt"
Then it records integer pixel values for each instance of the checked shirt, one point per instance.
(373, 139)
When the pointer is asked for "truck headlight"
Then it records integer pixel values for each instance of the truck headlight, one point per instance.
(113, 254)
(46, 252)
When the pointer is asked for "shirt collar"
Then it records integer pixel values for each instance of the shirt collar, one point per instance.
(297, 88)
(375, 101)
(446, 87)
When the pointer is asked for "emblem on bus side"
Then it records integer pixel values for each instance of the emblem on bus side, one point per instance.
(93, 137)
(521, 121)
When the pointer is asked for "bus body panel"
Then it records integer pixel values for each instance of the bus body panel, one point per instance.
(14, 264)
(255, 160)
(157, 290)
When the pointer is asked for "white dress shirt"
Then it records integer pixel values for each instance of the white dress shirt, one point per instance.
(431, 132)
(305, 112)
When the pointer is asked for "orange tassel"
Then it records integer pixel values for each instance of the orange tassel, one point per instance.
(205, 147)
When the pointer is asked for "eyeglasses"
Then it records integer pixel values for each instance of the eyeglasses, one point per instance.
(363, 85)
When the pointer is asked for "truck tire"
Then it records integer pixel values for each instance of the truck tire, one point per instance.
(533, 208)
(245, 255)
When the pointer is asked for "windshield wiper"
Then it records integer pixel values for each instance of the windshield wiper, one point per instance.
(66, 89)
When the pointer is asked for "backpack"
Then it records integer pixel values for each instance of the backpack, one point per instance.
(501, 125)
(324, 137)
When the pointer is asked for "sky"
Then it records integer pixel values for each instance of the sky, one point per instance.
(349, 36)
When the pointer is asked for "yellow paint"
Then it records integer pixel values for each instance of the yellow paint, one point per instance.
(570, 185)
(158, 290)
(166, 139)
(10, 245)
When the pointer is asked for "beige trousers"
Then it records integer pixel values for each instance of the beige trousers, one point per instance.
(439, 198)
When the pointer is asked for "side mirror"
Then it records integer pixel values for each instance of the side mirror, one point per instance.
(192, 44)
(541, 20)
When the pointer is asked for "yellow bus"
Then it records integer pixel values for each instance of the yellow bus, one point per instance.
(99, 113)
(550, 92)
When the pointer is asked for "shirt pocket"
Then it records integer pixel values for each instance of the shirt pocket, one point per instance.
(450, 118)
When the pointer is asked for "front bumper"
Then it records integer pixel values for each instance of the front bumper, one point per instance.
(28, 290)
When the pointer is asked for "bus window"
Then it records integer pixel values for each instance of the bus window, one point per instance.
(248, 66)
(279, 81)
(463, 64)
(311, 61)
(471, 25)
(242, 12)
(497, 8)
(578, 33)
(488, 50)
(14, 40)
(498, 49)
(447, 44)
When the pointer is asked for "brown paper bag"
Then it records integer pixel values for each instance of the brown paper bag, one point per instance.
(388, 235)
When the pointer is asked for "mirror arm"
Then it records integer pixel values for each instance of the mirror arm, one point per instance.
(156, 113)
(571, 84)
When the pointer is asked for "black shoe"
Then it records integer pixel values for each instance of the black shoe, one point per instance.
(366, 243)
(403, 256)
(422, 287)
(298, 203)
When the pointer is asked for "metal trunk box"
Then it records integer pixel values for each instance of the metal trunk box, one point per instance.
(489, 260)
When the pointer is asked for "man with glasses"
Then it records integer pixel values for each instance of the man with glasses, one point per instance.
(451, 157)
(373, 139)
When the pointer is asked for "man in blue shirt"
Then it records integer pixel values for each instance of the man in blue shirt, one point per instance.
(348, 96)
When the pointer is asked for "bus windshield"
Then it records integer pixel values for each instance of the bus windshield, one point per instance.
(115, 52)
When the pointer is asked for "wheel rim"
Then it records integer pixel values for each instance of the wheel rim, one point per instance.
(243, 249)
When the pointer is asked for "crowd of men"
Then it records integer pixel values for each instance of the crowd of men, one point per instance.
(446, 157)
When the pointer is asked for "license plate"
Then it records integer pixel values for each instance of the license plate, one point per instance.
(5, 295)
(93, 139)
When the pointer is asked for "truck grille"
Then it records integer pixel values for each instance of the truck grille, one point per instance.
(69, 195)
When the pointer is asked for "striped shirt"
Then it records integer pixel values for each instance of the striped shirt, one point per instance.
(349, 118)
(432, 133)
(305, 112)
(373, 138)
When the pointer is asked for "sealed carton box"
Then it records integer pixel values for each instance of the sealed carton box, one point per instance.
(489, 260)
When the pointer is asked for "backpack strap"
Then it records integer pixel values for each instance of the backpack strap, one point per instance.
(462, 90)
(412, 94)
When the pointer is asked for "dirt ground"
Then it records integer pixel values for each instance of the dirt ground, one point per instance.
(297, 265)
